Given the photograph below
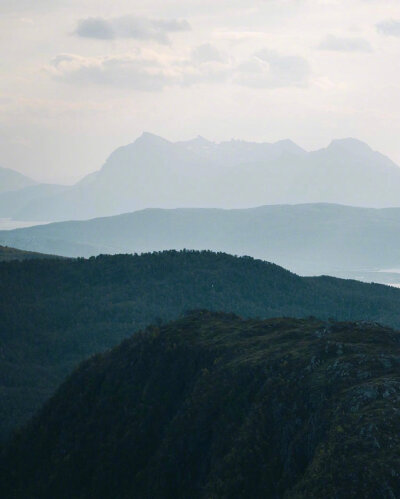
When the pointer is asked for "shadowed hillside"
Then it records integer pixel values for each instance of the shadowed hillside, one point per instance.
(56, 313)
(215, 406)
(7, 254)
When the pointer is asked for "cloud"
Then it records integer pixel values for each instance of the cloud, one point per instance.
(149, 72)
(207, 53)
(18, 6)
(389, 27)
(269, 69)
(153, 71)
(95, 27)
(132, 71)
(138, 28)
(343, 44)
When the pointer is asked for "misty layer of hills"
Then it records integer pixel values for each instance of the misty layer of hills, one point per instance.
(57, 312)
(308, 239)
(155, 173)
(214, 406)
(11, 180)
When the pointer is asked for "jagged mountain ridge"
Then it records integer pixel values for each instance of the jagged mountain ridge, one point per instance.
(215, 406)
(153, 172)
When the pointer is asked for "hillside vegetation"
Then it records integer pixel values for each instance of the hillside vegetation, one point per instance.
(56, 313)
(214, 406)
(7, 254)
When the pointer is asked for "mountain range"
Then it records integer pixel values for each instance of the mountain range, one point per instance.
(308, 239)
(155, 173)
(214, 406)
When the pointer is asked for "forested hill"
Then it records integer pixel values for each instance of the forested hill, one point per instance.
(214, 406)
(55, 313)
(7, 254)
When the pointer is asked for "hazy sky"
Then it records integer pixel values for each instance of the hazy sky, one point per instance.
(81, 77)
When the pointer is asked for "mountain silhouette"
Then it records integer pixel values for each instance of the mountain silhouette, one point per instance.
(153, 172)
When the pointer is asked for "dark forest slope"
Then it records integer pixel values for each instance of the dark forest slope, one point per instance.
(213, 406)
(55, 313)
(7, 254)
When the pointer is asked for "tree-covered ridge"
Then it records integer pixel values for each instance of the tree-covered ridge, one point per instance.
(216, 406)
(7, 254)
(55, 313)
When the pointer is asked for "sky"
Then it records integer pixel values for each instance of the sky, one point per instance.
(80, 78)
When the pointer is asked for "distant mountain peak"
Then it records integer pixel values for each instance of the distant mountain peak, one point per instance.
(200, 140)
(350, 144)
(289, 146)
(198, 143)
(151, 139)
